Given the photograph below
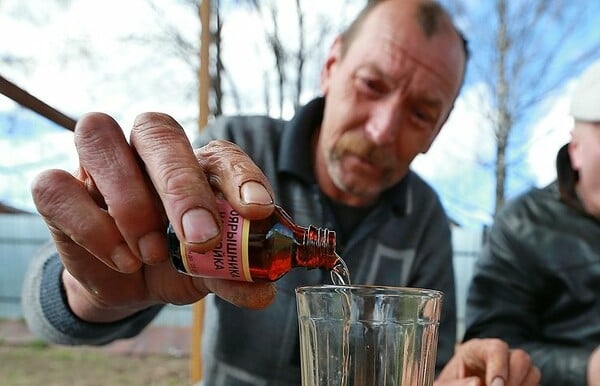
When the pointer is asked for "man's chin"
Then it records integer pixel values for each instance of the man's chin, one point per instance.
(361, 191)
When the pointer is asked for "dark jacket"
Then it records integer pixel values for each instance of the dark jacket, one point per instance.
(404, 240)
(537, 283)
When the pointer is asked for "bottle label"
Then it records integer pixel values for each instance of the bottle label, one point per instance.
(229, 259)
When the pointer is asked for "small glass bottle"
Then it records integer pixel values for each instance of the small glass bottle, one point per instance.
(256, 250)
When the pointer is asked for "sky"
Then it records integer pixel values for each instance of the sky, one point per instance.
(80, 58)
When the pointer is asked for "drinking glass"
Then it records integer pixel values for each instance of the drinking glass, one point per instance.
(368, 335)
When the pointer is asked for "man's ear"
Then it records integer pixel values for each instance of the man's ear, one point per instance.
(333, 57)
(431, 139)
(437, 131)
(574, 150)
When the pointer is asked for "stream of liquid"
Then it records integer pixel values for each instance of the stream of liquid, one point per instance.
(339, 272)
(341, 276)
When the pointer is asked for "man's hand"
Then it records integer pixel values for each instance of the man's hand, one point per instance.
(108, 220)
(488, 362)
(593, 370)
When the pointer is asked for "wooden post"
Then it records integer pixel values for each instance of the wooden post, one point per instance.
(203, 93)
(203, 69)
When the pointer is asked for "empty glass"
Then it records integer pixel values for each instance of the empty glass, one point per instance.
(368, 335)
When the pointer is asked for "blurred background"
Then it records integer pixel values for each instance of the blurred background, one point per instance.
(127, 57)
(265, 56)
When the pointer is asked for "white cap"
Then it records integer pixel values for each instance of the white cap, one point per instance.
(585, 102)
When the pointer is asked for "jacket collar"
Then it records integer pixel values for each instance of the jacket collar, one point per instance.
(295, 152)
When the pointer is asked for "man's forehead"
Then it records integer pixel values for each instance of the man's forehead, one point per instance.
(590, 124)
(397, 32)
(397, 54)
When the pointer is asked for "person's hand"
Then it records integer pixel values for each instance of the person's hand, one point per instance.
(109, 219)
(593, 368)
(488, 362)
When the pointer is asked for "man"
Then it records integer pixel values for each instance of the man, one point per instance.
(389, 83)
(537, 285)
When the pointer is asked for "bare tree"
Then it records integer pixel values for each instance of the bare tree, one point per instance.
(293, 57)
(285, 80)
(274, 42)
(279, 55)
(35, 16)
(523, 51)
(300, 55)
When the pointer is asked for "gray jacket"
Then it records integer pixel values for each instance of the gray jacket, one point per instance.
(404, 241)
(537, 283)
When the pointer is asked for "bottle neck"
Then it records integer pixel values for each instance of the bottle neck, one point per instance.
(318, 248)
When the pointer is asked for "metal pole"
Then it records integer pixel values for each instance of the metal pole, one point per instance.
(27, 100)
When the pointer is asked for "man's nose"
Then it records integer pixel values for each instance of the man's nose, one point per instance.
(382, 127)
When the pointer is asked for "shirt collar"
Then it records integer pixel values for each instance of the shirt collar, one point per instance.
(295, 153)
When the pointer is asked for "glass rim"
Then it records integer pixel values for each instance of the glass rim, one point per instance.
(370, 289)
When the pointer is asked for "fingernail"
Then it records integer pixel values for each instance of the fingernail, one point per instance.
(498, 381)
(252, 192)
(124, 260)
(199, 225)
(153, 247)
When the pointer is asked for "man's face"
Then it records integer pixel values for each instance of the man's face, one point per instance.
(386, 100)
(584, 151)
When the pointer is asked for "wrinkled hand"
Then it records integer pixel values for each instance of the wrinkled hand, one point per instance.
(593, 368)
(488, 362)
(108, 220)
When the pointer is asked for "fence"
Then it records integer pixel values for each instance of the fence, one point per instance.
(466, 245)
(20, 237)
(22, 234)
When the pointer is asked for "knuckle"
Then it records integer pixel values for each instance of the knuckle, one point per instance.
(89, 123)
(177, 179)
(154, 125)
(128, 205)
(80, 231)
(151, 118)
(46, 192)
(497, 345)
(220, 155)
(158, 136)
(91, 130)
(521, 356)
(100, 142)
(218, 149)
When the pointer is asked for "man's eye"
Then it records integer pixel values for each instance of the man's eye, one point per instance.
(424, 119)
(422, 115)
(370, 85)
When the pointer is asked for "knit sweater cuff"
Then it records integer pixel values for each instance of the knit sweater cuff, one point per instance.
(53, 320)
